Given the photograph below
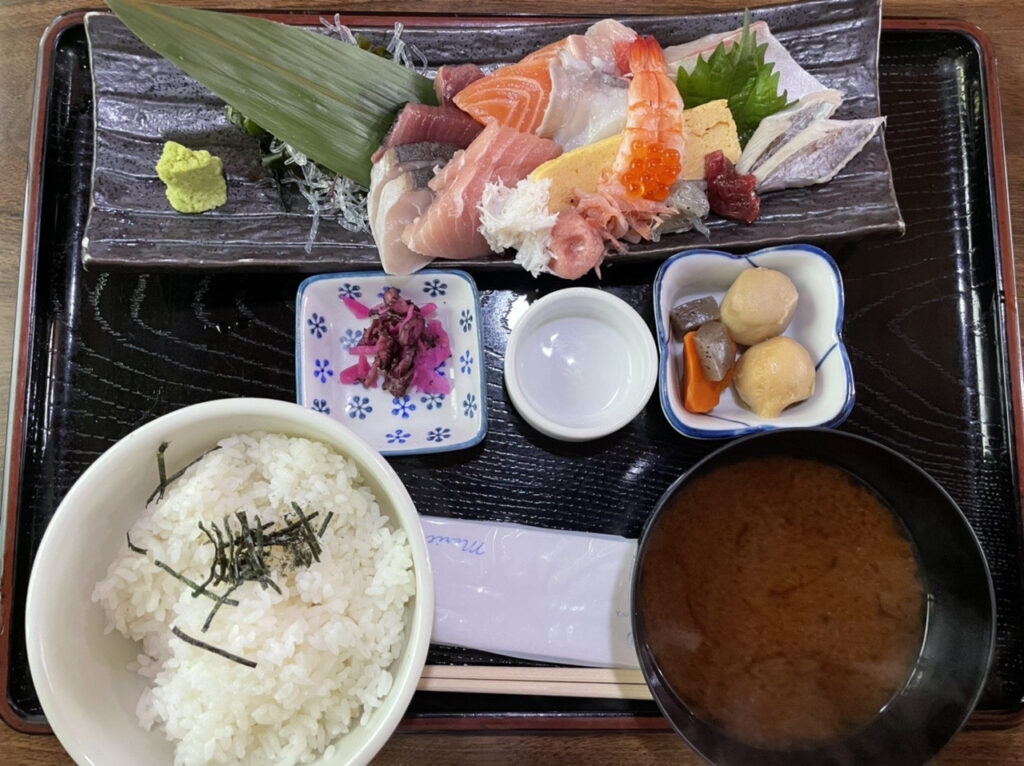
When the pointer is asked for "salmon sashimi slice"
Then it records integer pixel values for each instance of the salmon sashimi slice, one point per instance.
(520, 95)
(516, 96)
(450, 228)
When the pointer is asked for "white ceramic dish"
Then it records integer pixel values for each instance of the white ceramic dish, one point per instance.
(417, 423)
(580, 364)
(817, 324)
(81, 673)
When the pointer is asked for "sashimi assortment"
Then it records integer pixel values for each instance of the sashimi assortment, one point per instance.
(598, 141)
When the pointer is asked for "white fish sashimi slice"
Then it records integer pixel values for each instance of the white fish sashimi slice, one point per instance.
(589, 95)
(816, 154)
(402, 200)
(586, 104)
(597, 46)
(399, 159)
(398, 194)
(777, 129)
(793, 78)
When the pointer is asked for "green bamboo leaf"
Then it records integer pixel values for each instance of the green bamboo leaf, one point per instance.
(332, 101)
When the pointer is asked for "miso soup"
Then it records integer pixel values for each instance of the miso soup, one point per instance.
(782, 599)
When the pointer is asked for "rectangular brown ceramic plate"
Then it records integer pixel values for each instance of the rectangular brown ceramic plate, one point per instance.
(931, 327)
(141, 100)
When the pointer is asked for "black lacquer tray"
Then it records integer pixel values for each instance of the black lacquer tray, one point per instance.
(931, 328)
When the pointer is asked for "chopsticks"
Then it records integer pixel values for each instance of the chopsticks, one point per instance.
(610, 683)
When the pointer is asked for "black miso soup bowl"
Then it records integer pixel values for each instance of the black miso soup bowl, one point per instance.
(956, 653)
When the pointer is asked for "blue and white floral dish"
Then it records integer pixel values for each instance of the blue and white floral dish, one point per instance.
(817, 324)
(416, 423)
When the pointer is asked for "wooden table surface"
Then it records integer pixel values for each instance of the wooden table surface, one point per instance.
(21, 25)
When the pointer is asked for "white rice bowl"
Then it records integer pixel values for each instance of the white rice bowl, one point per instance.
(337, 652)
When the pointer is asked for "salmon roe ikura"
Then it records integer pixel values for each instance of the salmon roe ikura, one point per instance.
(652, 170)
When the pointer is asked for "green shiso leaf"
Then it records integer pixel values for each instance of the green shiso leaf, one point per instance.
(330, 100)
(739, 74)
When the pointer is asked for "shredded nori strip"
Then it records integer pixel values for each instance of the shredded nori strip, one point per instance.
(166, 481)
(197, 589)
(327, 520)
(203, 645)
(161, 467)
(220, 602)
(132, 546)
(241, 556)
(311, 540)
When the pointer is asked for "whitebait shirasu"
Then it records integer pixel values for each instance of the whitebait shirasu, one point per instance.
(327, 193)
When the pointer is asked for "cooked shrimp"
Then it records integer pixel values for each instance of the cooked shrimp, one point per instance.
(631, 200)
(650, 158)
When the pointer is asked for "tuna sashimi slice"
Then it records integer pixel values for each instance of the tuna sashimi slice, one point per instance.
(421, 123)
(453, 78)
(450, 226)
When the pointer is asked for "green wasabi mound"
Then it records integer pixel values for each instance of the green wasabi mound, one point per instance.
(195, 179)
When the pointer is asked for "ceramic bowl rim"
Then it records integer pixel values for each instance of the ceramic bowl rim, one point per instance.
(65, 718)
(969, 537)
(644, 351)
(675, 419)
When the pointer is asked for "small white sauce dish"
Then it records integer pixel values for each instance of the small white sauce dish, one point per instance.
(817, 325)
(580, 364)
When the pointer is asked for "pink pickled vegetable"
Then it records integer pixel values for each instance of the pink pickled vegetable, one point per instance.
(358, 309)
(402, 347)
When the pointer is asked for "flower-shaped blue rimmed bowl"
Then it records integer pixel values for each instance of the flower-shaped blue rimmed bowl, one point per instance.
(817, 325)
(326, 330)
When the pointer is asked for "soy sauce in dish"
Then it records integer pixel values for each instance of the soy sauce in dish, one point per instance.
(782, 599)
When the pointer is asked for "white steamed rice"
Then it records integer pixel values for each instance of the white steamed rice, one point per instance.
(322, 648)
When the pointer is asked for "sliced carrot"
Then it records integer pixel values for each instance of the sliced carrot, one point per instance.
(700, 393)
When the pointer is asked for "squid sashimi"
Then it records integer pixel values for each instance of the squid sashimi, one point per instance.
(450, 226)
(550, 87)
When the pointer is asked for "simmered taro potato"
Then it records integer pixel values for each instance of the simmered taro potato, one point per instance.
(691, 315)
(716, 349)
(774, 374)
(758, 305)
